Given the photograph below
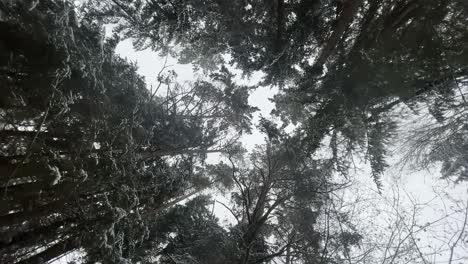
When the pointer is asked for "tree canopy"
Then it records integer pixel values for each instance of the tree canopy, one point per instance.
(92, 159)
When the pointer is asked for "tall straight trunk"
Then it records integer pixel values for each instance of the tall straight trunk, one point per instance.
(398, 16)
(11, 171)
(350, 9)
(43, 187)
(24, 244)
(180, 199)
(30, 134)
(19, 198)
(52, 252)
(279, 22)
(26, 189)
(8, 205)
(67, 231)
(7, 169)
(158, 209)
(10, 159)
(288, 254)
(14, 243)
(145, 155)
(30, 216)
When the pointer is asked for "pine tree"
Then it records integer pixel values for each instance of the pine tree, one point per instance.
(338, 62)
(85, 144)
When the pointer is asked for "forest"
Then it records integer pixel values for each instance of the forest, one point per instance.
(98, 165)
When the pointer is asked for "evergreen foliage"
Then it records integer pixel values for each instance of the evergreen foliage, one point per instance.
(92, 159)
(85, 144)
(339, 63)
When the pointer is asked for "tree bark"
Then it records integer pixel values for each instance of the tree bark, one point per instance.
(279, 23)
(350, 9)
(52, 252)
(42, 235)
(399, 16)
(161, 153)
(19, 217)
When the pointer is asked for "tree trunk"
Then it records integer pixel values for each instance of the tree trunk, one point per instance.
(399, 16)
(145, 155)
(279, 24)
(350, 9)
(9, 171)
(288, 255)
(27, 189)
(28, 134)
(20, 217)
(14, 243)
(8, 205)
(52, 252)
(172, 203)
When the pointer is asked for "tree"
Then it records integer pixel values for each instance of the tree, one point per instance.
(440, 135)
(403, 227)
(380, 64)
(277, 200)
(194, 236)
(90, 158)
(278, 197)
(377, 55)
(85, 145)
